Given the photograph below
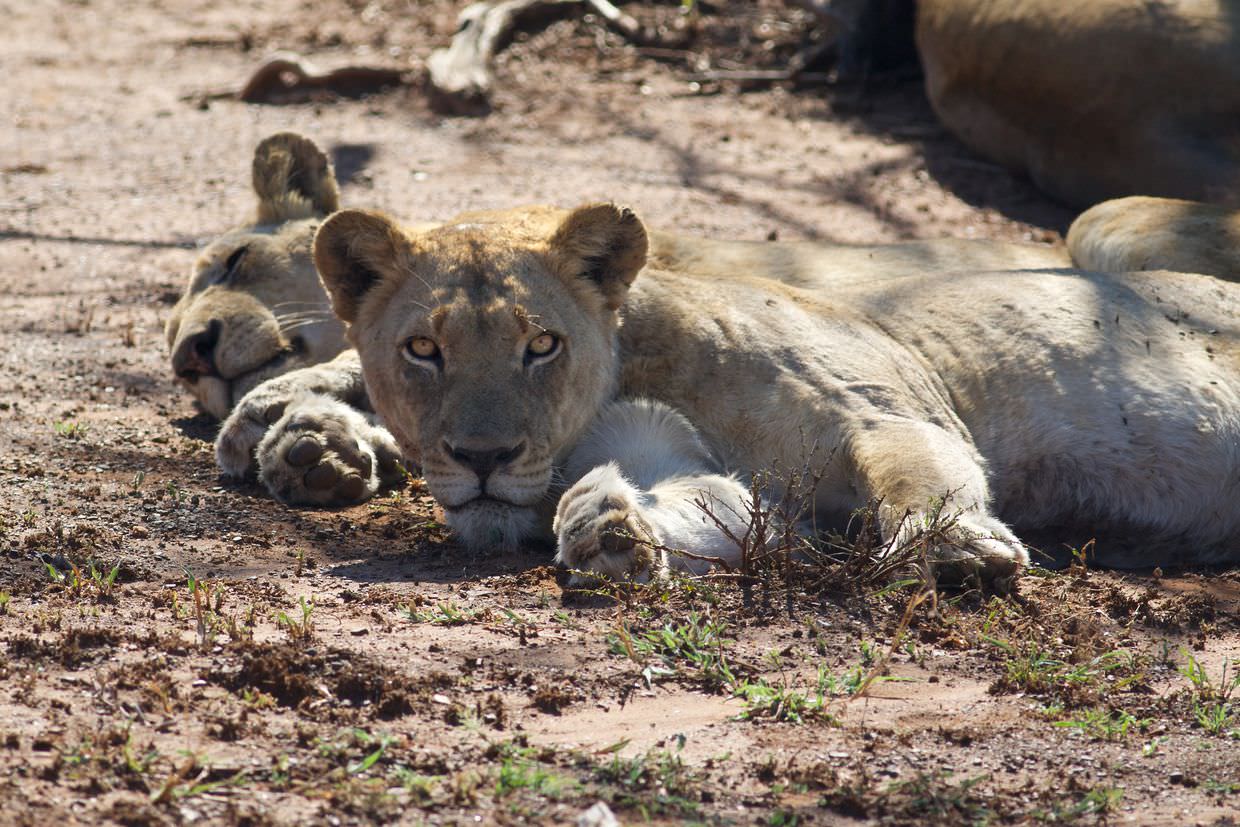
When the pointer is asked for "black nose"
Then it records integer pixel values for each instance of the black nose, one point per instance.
(194, 355)
(483, 461)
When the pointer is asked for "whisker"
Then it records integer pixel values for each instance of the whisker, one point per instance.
(430, 290)
(317, 311)
(299, 325)
(300, 304)
(302, 317)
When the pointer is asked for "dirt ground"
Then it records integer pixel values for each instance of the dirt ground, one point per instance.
(251, 664)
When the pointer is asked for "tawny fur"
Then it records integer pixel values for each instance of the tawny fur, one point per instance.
(1024, 400)
(1142, 233)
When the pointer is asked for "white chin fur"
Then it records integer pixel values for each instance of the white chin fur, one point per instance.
(491, 525)
(214, 395)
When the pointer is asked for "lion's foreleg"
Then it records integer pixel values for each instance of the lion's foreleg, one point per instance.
(310, 438)
(646, 490)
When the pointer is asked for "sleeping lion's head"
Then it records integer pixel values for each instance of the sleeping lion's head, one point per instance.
(488, 344)
(254, 307)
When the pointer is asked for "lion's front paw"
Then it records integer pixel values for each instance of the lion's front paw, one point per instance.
(981, 552)
(320, 451)
(601, 531)
(248, 423)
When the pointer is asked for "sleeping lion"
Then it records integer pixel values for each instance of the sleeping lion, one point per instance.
(569, 372)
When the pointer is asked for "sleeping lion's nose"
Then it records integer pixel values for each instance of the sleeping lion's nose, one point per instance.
(194, 355)
(483, 461)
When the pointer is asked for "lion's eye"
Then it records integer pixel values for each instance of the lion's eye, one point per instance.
(420, 347)
(231, 263)
(543, 345)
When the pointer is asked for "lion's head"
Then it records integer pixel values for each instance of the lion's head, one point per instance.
(254, 307)
(488, 344)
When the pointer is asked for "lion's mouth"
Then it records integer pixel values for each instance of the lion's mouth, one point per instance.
(219, 394)
(483, 500)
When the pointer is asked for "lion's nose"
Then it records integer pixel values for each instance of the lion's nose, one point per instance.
(194, 355)
(483, 461)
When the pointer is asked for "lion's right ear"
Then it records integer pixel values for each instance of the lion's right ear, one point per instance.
(293, 179)
(604, 245)
(352, 251)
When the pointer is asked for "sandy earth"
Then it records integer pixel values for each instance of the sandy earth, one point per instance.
(422, 683)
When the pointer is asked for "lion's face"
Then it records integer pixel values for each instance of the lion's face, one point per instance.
(254, 307)
(488, 345)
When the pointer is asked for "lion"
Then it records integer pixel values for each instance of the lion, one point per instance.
(1093, 100)
(549, 381)
(1144, 233)
(254, 309)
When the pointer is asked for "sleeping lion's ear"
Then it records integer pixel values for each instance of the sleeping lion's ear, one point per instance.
(352, 251)
(604, 244)
(293, 179)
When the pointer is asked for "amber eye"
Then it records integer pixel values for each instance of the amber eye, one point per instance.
(543, 345)
(420, 347)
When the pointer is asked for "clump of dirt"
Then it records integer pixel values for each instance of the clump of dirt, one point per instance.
(309, 681)
(554, 698)
(74, 648)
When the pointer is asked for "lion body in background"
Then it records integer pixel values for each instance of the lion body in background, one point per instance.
(1096, 99)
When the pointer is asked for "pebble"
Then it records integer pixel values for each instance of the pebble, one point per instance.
(599, 815)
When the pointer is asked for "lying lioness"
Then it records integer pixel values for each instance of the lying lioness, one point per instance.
(513, 354)
(255, 309)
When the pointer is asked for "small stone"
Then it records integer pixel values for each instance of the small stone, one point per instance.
(599, 815)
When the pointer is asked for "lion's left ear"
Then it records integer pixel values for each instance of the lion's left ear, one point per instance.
(604, 244)
(352, 251)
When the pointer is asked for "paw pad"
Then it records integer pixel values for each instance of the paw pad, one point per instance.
(305, 451)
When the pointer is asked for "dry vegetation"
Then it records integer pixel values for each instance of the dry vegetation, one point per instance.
(176, 648)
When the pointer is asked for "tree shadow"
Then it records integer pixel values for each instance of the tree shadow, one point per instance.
(26, 235)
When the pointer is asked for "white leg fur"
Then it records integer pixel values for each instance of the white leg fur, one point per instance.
(640, 473)
(913, 463)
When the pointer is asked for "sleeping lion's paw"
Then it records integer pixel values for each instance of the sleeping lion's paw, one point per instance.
(320, 451)
(983, 552)
(600, 530)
